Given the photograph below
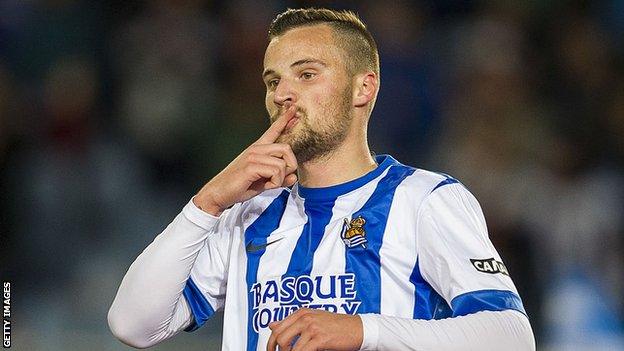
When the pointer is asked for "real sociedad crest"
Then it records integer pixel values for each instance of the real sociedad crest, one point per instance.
(353, 233)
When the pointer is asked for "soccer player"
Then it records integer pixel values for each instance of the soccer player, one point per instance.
(308, 242)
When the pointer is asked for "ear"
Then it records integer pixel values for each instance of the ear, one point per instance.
(366, 87)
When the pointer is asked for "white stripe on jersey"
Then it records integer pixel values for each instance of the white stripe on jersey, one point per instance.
(236, 299)
(398, 251)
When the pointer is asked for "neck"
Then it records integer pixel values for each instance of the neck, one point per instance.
(351, 160)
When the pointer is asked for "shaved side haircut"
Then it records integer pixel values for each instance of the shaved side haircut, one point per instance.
(351, 34)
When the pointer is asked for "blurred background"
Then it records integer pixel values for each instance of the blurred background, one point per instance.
(114, 113)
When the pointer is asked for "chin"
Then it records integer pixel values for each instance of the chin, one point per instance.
(289, 137)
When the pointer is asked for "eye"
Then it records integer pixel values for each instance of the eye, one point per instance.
(272, 84)
(307, 75)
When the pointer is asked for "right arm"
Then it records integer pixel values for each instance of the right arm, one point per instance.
(152, 303)
(149, 306)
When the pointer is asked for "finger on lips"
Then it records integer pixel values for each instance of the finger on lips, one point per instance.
(276, 129)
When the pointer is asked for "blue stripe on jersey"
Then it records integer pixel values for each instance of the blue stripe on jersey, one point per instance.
(446, 181)
(428, 304)
(201, 308)
(319, 214)
(365, 262)
(258, 231)
(486, 300)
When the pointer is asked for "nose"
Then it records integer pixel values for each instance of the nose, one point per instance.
(284, 93)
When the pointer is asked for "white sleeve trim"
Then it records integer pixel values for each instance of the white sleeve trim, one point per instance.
(487, 330)
(370, 328)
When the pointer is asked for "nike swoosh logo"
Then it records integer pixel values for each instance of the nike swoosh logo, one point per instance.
(251, 248)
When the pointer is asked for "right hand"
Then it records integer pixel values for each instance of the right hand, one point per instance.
(264, 165)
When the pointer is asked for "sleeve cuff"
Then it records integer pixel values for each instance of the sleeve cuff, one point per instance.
(486, 300)
(370, 326)
(199, 217)
(199, 305)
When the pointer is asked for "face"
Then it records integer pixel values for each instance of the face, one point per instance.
(304, 68)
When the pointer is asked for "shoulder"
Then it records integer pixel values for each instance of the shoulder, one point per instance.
(258, 204)
(425, 182)
(420, 183)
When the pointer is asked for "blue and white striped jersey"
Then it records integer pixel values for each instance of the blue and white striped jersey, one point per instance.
(398, 241)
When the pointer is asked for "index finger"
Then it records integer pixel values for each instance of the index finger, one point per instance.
(276, 129)
(278, 327)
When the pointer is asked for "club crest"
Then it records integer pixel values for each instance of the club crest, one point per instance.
(353, 233)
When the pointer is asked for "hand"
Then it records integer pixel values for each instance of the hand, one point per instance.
(262, 166)
(317, 330)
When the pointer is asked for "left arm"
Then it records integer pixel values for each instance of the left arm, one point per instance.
(320, 330)
(486, 330)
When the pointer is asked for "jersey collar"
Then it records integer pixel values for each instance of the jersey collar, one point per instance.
(332, 192)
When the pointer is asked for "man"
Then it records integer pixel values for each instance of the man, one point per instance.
(307, 242)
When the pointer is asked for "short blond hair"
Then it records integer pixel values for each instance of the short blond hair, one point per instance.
(352, 35)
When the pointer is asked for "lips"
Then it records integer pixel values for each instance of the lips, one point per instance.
(293, 121)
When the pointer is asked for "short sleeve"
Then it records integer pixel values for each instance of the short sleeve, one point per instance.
(206, 285)
(456, 256)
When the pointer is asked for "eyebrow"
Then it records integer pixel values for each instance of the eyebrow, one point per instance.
(308, 60)
(295, 64)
